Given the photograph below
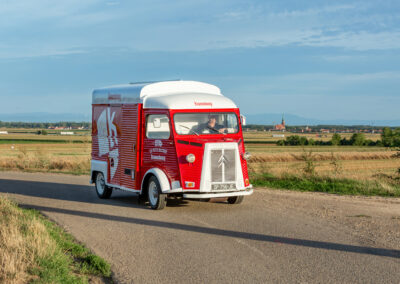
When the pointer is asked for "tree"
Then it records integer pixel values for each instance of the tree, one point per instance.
(303, 141)
(336, 139)
(293, 140)
(280, 143)
(357, 139)
(387, 137)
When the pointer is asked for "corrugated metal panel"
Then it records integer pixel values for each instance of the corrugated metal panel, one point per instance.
(128, 144)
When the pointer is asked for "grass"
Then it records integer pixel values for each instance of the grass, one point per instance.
(32, 141)
(42, 159)
(34, 249)
(268, 136)
(325, 184)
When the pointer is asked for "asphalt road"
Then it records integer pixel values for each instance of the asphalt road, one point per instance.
(265, 239)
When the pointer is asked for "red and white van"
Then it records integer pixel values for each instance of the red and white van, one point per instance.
(168, 138)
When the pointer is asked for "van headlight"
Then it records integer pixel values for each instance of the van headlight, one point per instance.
(246, 155)
(190, 158)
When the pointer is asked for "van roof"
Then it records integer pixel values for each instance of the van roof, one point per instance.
(165, 95)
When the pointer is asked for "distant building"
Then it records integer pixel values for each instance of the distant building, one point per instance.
(324, 130)
(282, 126)
(3, 132)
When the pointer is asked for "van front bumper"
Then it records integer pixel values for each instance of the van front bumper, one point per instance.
(218, 194)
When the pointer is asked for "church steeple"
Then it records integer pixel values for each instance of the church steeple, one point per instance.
(283, 119)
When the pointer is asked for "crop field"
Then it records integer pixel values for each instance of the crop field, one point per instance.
(71, 154)
(272, 137)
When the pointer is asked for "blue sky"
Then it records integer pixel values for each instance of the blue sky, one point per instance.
(319, 59)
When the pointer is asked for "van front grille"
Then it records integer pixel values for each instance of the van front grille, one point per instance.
(223, 166)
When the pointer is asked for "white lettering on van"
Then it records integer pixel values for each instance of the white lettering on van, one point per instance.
(158, 158)
(159, 150)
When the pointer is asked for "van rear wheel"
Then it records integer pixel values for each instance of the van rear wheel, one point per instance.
(235, 199)
(102, 190)
(157, 199)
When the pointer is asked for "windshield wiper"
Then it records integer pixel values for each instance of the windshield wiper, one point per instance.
(190, 130)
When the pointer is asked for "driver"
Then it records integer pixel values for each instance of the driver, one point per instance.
(211, 126)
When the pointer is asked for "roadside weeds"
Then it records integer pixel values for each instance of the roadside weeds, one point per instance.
(34, 249)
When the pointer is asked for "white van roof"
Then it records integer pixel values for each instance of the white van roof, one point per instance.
(165, 95)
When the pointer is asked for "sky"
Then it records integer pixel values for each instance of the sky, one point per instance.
(319, 59)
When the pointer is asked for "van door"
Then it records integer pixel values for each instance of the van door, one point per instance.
(158, 144)
(129, 144)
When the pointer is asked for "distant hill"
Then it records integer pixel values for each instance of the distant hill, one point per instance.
(263, 119)
(275, 118)
(45, 117)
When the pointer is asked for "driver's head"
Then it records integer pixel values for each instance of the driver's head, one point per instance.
(212, 119)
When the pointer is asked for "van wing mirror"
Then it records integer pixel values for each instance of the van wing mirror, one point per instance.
(242, 119)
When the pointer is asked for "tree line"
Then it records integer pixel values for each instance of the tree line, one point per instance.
(389, 138)
(44, 125)
(315, 128)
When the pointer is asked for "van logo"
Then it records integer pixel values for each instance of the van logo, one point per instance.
(157, 143)
(107, 138)
(222, 161)
(203, 104)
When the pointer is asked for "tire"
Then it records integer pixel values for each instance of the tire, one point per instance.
(102, 190)
(157, 199)
(235, 199)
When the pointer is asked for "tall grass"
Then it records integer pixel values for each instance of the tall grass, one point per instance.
(33, 249)
(23, 240)
(345, 156)
(307, 179)
(40, 160)
(326, 184)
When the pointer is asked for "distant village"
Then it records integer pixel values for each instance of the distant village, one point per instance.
(323, 129)
(277, 129)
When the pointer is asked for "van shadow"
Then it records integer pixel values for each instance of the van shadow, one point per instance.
(68, 192)
(392, 253)
(78, 193)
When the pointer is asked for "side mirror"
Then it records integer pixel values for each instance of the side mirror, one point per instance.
(157, 123)
(242, 119)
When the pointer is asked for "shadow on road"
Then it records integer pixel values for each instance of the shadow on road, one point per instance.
(77, 193)
(228, 233)
(81, 193)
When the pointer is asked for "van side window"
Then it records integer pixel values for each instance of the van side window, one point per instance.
(157, 126)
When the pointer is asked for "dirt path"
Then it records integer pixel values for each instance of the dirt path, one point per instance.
(274, 236)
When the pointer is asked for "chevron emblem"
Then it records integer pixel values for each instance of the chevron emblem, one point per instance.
(222, 160)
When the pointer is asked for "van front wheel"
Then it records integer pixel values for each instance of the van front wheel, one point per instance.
(157, 199)
(236, 199)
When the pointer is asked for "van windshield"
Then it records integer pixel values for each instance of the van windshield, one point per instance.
(206, 123)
